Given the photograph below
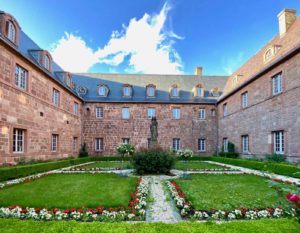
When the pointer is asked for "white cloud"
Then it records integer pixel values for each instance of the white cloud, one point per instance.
(231, 64)
(145, 42)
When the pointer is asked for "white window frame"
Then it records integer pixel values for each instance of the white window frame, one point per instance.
(199, 91)
(11, 32)
(225, 144)
(75, 108)
(55, 97)
(18, 140)
(176, 113)
(176, 144)
(125, 113)
(277, 84)
(151, 112)
(125, 140)
(47, 62)
(102, 90)
(201, 145)
(225, 109)
(278, 142)
(150, 91)
(99, 144)
(245, 99)
(99, 112)
(245, 143)
(21, 76)
(127, 91)
(175, 92)
(202, 114)
(54, 142)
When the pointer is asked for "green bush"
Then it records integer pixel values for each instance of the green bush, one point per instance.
(153, 161)
(8, 173)
(83, 152)
(275, 158)
(229, 154)
(277, 168)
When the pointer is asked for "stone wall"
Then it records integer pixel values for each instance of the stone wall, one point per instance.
(33, 111)
(112, 128)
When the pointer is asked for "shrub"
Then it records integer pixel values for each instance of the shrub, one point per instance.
(275, 158)
(153, 161)
(231, 153)
(125, 149)
(83, 152)
(185, 154)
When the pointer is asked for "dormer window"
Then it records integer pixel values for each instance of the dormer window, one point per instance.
(102, 90)
(11, 32)
(174, 91)
(215, 92)
(150, 91)
(268, 54)
(47, 63)
(199, 91)
(68, 80)
(127, 91)
(271, 52)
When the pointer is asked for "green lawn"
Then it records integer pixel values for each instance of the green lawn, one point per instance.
(181, 165)
(71, 191)
(109, 164)
(258, 226)
(229, 191)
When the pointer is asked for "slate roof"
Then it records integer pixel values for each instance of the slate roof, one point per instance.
(163, 83)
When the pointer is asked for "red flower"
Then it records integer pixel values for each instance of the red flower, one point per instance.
(66, 211)
(24, 211)
(55, 210)
(293, 197)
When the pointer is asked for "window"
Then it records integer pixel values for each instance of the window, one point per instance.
(151, 113)
(68, 80)
(268, 54)
(125, 140)
(54, 142)
(75, 143)
(176, 113)
(176, 144)
(278, 142)
(99, 112)
(21, 77)
(199, 91)
(18, 140)
(225, 110)
(174, 91)
(125, 113)
(102, 90)
(245, 100)
(151, 91)
(277, 84)
(213, 112)
(201, 145)
(75, 108)
(225, 144)
(11, 32)
(245, 143)
(202, 114)
(127, 91)
(99, 144)
(47, 62)
(55, 97)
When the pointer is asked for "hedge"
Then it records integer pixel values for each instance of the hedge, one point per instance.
(277, 168)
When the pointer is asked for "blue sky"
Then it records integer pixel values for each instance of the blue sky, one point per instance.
(150, 36)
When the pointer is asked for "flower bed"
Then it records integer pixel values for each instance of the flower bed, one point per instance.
(186, 209)
(135, 211)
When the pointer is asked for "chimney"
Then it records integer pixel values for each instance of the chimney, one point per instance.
(285, 19)
(198, 70)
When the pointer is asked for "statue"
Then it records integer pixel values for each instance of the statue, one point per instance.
(154, 133)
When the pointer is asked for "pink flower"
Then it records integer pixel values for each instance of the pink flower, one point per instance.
(293, 197)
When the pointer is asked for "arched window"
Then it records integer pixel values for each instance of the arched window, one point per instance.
(268, 54)
(174, 91)
(127, 91)
(11, 32)
(150, 90)
(199, 90)
(47, 62)
(102, 90)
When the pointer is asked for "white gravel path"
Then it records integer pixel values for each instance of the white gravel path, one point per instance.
(161, 209)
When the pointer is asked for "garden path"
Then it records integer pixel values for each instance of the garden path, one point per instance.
(162, 208)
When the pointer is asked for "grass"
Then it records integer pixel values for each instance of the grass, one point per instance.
(195, 165)
(71, 191)
(227, 192)
(108, 164)
(258, 226)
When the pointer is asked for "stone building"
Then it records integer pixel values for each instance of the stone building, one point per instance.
(47, 113)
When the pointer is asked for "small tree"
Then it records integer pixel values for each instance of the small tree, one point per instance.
(185, 154)
(83, 152)
(125, 149)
